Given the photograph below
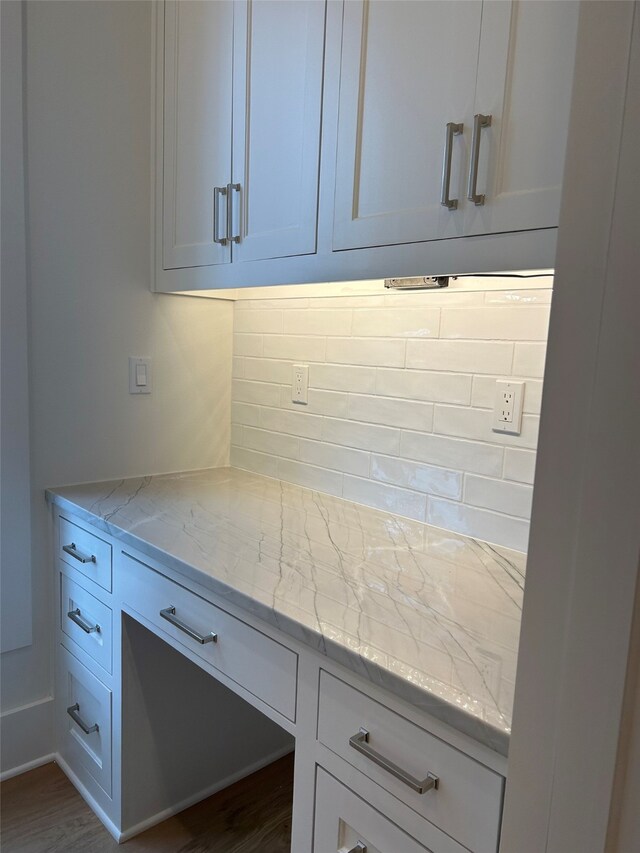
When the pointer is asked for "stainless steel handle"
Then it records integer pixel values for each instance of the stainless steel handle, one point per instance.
(78, 555)
(72, 711)
(235, 238)
(359, 848)
(360, 742)
(217, 192)
(87, 627)
(452, 130)
(169, 613)
(479, 122)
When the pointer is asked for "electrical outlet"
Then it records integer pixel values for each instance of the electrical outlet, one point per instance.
(300, 384)
(507, 408)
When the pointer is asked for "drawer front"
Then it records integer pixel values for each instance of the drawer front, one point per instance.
(87, 621)
(261, 665)
(86, 552)
(467, 803)
(345, 823)
(84, 720)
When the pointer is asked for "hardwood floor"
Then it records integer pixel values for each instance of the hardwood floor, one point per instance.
(41, 811)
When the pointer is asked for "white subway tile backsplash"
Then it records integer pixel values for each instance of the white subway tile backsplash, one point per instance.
(422, 478)
(319, 322)
(476, 457)
(372, 351)
(391, 322)
(363, 436)
(406, 414)
(460, 356)
(401, 391)
(519, 465)
(495, 528)
(260, 393)
(293, 423)
(344, 459)
(382, 496)
(424, 385)
(528, 359)
(294, 348)
(512, 323)
(509, 498)
(342, 378)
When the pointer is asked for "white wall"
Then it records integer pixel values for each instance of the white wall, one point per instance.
(401, 392)
(88, 170)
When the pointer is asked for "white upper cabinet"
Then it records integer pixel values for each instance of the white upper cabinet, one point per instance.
(241, 130)
(408, 69)
(525, 75)
(499, 72)
(198, 62)
(277, 103)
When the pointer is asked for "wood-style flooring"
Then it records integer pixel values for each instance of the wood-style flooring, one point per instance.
(41, 811)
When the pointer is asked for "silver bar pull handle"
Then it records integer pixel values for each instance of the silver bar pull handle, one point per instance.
(479, 122)
(87, 627)
(360, 742)
(360, 847)
(217, 192)
(73, 712)
(235, 238)
(78, 555)
(169, 613)
(452, 130)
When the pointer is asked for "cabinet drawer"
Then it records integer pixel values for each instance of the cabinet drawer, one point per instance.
(467, 803)
(86, 552)
(84, 720)
(86, 620)
(346, 823)
(261, 665)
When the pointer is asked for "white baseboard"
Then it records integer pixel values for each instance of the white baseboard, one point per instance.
(27, 737)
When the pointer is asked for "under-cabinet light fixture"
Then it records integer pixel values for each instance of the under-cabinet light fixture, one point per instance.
(421, 282)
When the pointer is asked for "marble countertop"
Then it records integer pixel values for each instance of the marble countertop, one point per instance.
(428, 614)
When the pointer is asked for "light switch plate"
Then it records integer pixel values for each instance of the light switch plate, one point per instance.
(507, 409)
(139, 375)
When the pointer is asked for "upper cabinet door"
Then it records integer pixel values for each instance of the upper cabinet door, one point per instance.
(407, 70)
(277, 104)
(525, 75)
(198, 66)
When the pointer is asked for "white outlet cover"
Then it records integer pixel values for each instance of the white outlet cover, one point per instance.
(300, 384)
(507, 408)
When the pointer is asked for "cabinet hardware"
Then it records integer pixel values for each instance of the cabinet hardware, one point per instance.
(217, 192)
(77, 555)
(360, 742)
(73, 712)
(235, 238)
(359, 848)
(169, 613)
(479, 122)
(76, 617)
(452, 130)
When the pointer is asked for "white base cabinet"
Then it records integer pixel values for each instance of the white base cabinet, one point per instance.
(165, 694)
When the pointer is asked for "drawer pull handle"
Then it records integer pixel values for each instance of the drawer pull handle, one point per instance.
(76, 617)
(72, 711)
(360, 742)
(359, 848)
(78, 555)
(169, 614)
(453, 129)
(231, 188)
(479, 122)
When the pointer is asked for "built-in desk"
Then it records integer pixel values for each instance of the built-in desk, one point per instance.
(383, 648)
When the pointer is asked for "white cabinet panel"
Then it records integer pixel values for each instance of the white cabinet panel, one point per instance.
(407, 70)
(86, 620)
(277, 101)
(198, 66)
(85, 551)
(525, 75)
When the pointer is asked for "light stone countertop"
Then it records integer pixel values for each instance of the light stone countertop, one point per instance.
(430, 615)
